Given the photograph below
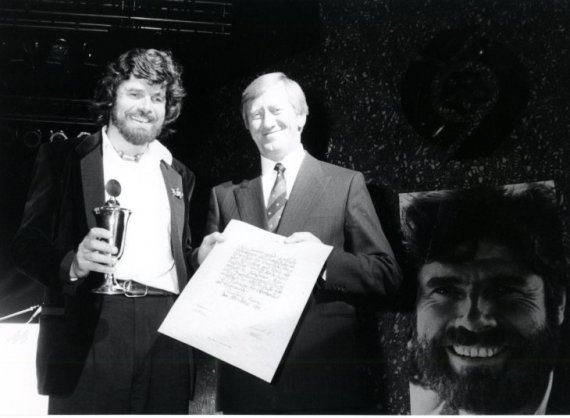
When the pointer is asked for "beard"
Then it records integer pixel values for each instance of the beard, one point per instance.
(136, 135)
(487, 390)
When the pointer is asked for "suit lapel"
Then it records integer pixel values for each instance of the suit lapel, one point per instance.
(174, 190)
(89, 151)
(173, 183)
(250, 204)
(305, 195)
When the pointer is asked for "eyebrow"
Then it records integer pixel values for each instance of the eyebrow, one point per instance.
(511, 279)
(438, 281)
(515, 280)
(141, 89)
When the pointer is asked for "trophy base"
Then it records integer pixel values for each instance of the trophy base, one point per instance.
(109, 290)
(109, 287)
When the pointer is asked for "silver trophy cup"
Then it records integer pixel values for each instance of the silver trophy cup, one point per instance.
(113, 217)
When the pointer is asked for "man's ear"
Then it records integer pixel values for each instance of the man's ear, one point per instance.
(562, 308)
(301, 120)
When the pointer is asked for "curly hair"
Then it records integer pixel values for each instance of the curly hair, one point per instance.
(447, 227)
(152, 65)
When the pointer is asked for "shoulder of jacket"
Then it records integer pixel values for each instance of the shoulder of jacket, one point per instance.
(337, 170)
(231, 185)
(60, 150)
(181, 167)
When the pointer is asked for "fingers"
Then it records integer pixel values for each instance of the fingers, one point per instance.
(97, 240)
(100, 258)
(301, 237)
(95, 248)
(208, 243)
(82, 267)
(213, 239)
(94, 254)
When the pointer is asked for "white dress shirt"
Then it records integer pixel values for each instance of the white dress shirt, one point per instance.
(147, 257)
(292, 163)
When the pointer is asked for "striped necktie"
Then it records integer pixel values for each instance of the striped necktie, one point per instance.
(277, 199)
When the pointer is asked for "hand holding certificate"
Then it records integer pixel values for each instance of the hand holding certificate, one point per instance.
(244, 302)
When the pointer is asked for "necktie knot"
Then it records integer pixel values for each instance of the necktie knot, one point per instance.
(280, 168)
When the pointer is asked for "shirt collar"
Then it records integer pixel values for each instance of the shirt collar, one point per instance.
(292, 162)
(542, 407)
(156, 151)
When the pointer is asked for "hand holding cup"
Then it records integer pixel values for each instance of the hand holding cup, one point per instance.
(94, 253)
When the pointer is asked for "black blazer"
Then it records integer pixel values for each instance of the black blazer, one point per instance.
(322, 370)
(67, 183)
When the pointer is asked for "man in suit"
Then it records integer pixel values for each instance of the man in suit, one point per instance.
(101, 354)
(490, 302)
(297, 196)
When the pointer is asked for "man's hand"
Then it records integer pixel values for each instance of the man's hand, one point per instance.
(301, 237)
(94, 254)
(304, 237)
(207, 244)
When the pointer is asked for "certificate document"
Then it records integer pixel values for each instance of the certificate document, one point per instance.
(243, 303)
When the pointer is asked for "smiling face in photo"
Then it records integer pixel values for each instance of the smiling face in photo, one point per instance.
(139, 110)
(480, 326)
(274, 123)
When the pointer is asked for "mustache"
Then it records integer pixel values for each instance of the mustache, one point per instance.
(148, 114)
(492, 337)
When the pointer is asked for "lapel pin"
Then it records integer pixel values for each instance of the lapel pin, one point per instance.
(177, 193)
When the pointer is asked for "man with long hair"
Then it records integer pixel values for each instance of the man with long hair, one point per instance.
(101, 353)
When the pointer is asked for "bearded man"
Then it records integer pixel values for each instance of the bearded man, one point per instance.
(490, 301)
(101, 353)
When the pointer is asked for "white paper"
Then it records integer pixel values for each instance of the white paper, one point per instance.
(243, 303)
(18, 383)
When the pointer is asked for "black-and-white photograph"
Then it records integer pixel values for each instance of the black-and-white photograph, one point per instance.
(284, 207)
(490, 301)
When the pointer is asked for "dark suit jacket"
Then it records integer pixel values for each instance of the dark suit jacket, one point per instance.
(322, 367)
(67, 183)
